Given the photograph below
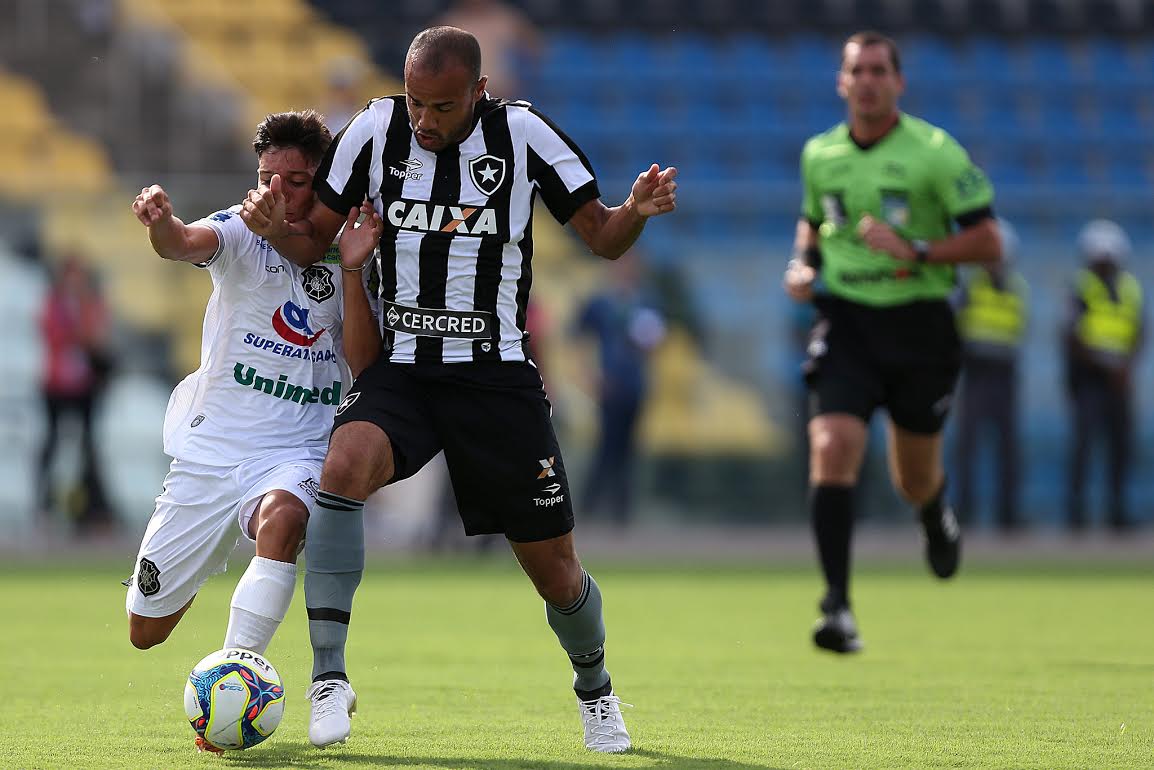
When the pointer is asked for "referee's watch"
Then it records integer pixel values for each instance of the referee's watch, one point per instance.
(921, 251)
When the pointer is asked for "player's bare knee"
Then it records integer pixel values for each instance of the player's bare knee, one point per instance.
(561, 586)
(832, 456)
(359, 461)
(281, 531)
(917, 489)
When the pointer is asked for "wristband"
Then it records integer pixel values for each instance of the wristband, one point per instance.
(810, 256)
(921, 251)
(360, 269)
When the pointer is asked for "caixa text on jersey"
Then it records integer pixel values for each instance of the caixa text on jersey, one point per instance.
(452, 220)
(283, 389)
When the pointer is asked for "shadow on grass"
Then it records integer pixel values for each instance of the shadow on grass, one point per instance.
(304, 756)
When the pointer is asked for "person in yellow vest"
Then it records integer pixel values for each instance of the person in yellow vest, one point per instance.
(1104, 333)
(992, 309)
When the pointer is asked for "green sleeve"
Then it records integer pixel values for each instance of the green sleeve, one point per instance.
(961, 186)
(811, 200)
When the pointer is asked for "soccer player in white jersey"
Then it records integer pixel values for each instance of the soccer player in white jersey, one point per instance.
(454, 173)
(248, 430)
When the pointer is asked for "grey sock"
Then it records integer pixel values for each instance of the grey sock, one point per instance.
(580, 628)
(335, 561)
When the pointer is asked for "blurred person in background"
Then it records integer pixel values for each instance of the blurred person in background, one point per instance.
(992, 310)
(875, 251)
(1104, 332)
(455, 172)
(343, 99)
(75, 325)
(627, 328)
(247, 431)
(510, 43)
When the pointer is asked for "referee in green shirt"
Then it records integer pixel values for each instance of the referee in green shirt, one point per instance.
(891, 204)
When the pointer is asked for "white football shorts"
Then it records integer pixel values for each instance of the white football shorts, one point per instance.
(200, 516)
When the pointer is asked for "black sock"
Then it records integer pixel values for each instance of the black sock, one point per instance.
(600, 692)
(831, 511)
(931, 511)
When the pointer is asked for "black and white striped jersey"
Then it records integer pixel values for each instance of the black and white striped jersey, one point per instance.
(456, 254)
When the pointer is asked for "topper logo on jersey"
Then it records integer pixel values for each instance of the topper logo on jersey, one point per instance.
(487, 173)
(454, 220)
(409, 172)
(291, 322)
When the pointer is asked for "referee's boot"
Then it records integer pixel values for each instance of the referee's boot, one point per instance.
(943, 541)
(836, 630)
(330, 716)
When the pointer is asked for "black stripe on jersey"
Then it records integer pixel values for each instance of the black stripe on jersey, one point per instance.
(397, 148)
(434, 253)
(490, 255)
(562, 203)
(357, 187)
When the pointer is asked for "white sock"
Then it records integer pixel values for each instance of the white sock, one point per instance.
(259, 604)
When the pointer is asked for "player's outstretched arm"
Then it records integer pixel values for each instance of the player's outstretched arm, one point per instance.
(362, 338)
(305, 241)
(170, 237)
(609, 232)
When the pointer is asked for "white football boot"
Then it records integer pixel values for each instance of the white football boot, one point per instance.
(604, 728)
(330, 717)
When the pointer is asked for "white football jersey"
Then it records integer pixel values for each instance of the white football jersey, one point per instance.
(272, 370)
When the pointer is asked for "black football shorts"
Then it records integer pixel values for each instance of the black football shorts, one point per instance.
(493, 421)
(905, 359)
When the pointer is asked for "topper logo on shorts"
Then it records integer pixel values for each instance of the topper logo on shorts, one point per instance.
(454, 220)
(283, 389)
(291, 322)
(554, 489)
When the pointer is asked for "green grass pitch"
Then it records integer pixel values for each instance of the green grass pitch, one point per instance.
(1032, 666)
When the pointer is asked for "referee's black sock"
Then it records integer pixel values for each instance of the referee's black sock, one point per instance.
(831, 511)
(931, 511)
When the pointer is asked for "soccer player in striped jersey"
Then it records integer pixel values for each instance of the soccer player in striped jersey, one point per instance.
(454, 174)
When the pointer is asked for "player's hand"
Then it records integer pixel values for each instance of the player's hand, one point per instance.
(263, 209)
(798, 281)
(152, 205)
(655, 192)
(879, 236)
(358, 242)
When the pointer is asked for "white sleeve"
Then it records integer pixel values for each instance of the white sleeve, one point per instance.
(231, 232)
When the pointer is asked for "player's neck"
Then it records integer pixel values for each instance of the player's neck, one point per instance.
(866, 133)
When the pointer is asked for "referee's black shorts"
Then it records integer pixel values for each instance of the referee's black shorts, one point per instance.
(904, 358)
(492, 419)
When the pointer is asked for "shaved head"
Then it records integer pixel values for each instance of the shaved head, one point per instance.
(439, 48)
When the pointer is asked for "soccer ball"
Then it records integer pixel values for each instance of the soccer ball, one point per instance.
(234, 699)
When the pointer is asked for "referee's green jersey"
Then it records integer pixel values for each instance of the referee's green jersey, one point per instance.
(917, 178)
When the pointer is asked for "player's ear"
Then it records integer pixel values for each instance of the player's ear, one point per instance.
(479, 89)
(842, 90)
